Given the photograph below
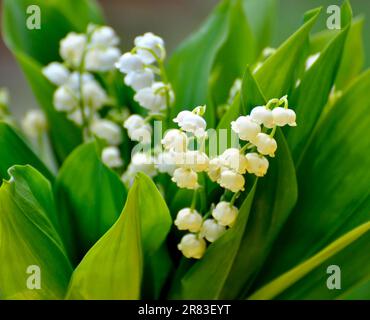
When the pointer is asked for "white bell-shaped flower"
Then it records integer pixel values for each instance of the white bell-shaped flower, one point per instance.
(65, 99)
(111, 157)
(142, 134)
(266, 145)
(175, 140)
(188, 219)
(233, 159)
(134, 121)
(107, 130)
(211, 230)
(185, 178)
(214, 169)
(104, 36)
(139, 80)
(283, 116)
(143, 162)
(191, 122)
(166, 162)
(246, 128)
(148, 44)
(192, 246)
(94, 95)
(231, 180)
(262, 115)
(193, 159)
(34, 123)
(56, 73)
(130, 62)
(257, 164)
(76, 115)
(101, 59)
(76, 78)
(72, 48)
(153, 98)
(225, 214)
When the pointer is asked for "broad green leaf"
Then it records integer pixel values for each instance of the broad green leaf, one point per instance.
(278, 73)
(309, 279)
(191, 64)
(274, 200)
(216, 265)
(131, 253)
(351, 67)
(90, 197)
(13, 150)
(237, 51)
(261, 15)
(29, 238)
(312, 94)
(57, 19)
(28, 45)
(333, 182)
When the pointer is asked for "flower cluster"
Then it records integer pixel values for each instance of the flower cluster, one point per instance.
(228, 170)
(78, 93)
(144, 72)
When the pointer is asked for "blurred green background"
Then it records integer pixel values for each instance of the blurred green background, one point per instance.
(173, 20)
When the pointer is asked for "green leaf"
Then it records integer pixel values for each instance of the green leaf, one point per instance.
(90, 197)
(350, 68)
(230, 63)
(13, 150)
(333, 182)
(29, 238)
(278, 73)
(309, 279)
(214, 268)
(274, 200)
(28, 45)
(191, 64)
(57, 19)
(312, 94)
(131, 253)
(261, 15)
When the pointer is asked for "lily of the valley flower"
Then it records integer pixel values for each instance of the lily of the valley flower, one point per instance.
(154, 98)
(189, 219)
(191, 122)
(225, 213)
(107, 130)
(192, 246)
(150, 47)
(284, 116)
(257, 164)
(185, 178)
(212, 230)
(111, 157)
(266, 145)
(246, 128)
(231, 180)
(262, 116)
(34, 123)
(56, 73)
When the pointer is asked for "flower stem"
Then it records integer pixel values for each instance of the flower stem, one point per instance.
(233, 199)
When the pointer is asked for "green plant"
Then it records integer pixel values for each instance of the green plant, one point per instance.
(281, 228)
